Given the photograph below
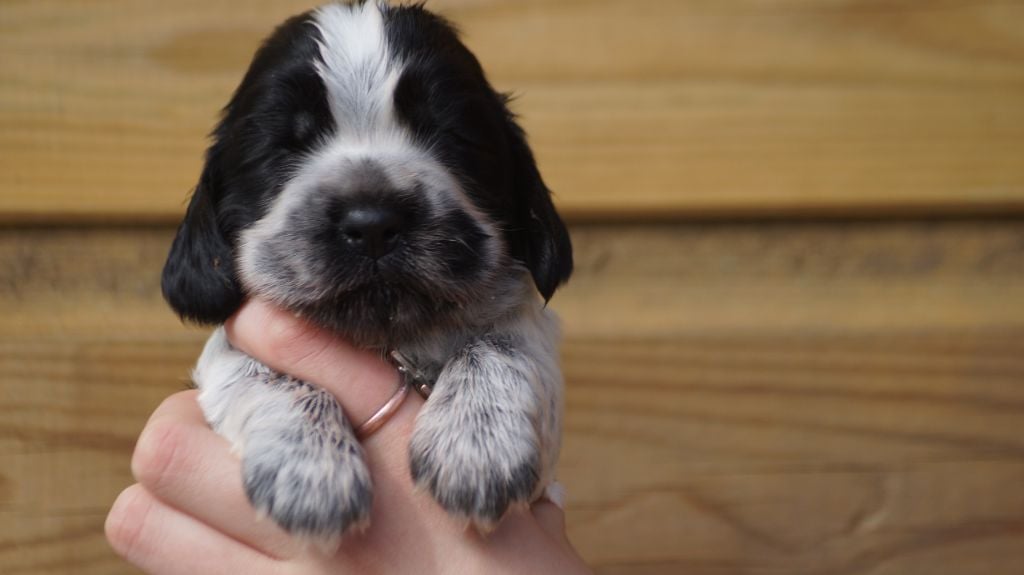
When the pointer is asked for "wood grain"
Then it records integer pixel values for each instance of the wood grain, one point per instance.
(743, 398)
(681, 107)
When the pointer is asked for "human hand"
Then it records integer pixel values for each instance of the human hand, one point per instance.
(188, 513)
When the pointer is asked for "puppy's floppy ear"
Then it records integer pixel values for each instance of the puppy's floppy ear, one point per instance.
(199, 277)
(538, 237)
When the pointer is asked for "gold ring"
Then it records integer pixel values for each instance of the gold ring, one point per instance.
(377, 420)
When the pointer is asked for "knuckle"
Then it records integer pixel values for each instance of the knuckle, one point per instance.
(127, 520)
(175, 403)
(159, 453)
(181, 400)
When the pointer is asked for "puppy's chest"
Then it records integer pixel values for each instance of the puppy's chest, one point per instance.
(423, 361)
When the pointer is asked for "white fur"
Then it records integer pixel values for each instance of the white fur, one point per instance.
(230, 393)
(358, 71)
(304, 469)
(495, 411)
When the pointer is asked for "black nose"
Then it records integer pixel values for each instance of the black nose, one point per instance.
(372, 231)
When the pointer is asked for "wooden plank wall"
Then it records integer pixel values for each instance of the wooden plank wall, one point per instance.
(795, 339)
(653, 108)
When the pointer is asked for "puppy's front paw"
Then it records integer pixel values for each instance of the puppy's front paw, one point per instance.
(314, 492)
(476, 472)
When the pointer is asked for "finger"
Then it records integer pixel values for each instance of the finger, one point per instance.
(361, 380)
(549, 510)
(187, 466)
(162, 541)
(550, 517)
(181, 405)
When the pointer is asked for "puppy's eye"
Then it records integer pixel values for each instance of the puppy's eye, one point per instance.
(461, 137)
(303, 127)
(469, 140)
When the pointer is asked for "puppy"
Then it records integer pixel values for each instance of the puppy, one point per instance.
(366, 176)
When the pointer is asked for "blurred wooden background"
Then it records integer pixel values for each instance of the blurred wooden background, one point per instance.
(795, 340)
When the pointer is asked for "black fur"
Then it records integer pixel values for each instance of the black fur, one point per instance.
(199, 278)
(445, 98)
(277, 113)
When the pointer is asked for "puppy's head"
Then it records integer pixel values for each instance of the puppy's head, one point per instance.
(366, 175)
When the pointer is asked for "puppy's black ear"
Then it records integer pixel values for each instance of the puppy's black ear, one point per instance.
(199, 277)
(538, 237)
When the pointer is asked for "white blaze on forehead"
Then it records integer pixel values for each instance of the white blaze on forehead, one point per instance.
(357, 69)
